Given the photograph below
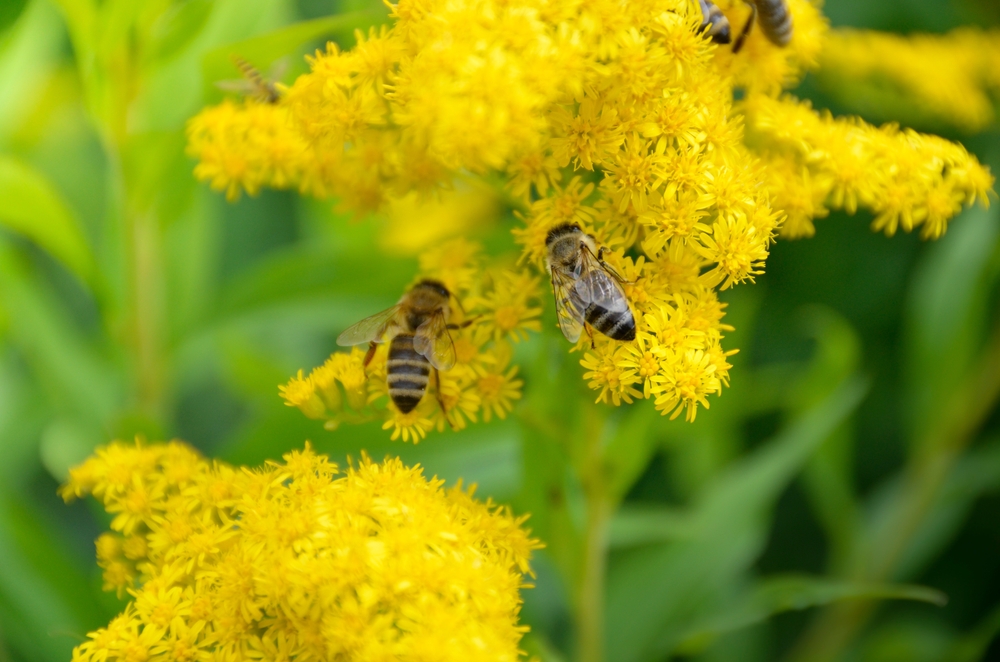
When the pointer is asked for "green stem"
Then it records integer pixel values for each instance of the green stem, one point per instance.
(590, 611)
(595, 562)
(148, 318)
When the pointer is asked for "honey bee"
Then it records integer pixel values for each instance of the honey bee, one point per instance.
(772, 15)
(774, 19)
(714, 23)
(587, 290)
(254, 84)
(419, 337)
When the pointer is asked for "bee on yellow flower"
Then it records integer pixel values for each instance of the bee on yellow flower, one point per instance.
(616, 117)
(426, 369)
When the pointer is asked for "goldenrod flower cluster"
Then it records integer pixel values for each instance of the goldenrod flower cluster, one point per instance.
(618, 116)
(501, 306)
(298, 561)
(953, 78)
(907, 179)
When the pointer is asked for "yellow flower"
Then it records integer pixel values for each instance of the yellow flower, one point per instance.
(496, 386)
(619, 117)
(374, 563)
(937, 77)
(604, 372)
(412, 426)
(490, 306)
(301, 392)
(508, 311)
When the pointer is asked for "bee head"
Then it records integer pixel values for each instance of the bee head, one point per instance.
(436, 286)
(560, 230)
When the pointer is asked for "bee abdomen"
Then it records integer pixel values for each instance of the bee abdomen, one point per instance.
(714, 23)
(614, 324)
(407, 373)
(775, 20)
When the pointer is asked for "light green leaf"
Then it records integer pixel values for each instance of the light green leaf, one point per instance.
(178, 27)
(31, 206)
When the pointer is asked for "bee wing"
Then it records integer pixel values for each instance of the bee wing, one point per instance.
(278, 69)
(600, 286)
(370, 329)
(240, 86)
(569, 307)
(433, 340)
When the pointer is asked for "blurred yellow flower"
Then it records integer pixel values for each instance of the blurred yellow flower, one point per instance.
(948, 78)
(375, 563)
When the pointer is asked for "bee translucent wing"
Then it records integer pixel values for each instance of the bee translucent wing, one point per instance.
(599, 286)
(433, 341)
(370, 328)
(239, 86)
(569, 307)
(278, 69)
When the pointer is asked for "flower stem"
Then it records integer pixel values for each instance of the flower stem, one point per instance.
(591, 618)
(590, 613)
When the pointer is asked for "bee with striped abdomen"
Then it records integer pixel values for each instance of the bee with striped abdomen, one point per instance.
(254, 84)
(775, 21)
(419, 335)
(587, 290)
(714, 22)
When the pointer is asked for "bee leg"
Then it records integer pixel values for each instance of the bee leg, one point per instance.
(607, 267)
(437, 392)
(591, 334)
(738, 44)
(372, 346)
(463, 324)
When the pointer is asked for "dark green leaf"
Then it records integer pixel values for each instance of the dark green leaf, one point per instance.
(674, 581)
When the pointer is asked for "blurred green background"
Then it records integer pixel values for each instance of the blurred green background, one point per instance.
(856, 455)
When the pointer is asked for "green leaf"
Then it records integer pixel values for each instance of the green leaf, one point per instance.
(178, 27)
(81, 19)
(775, 595)
(80, 382)
(675, 581)
(975, 474)
(973, 646)
(325, 278)
(629, 450)
(828, 478)
(47, 604)
(637, 525)
(33, 208)
(10, 11)
(948, 307)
